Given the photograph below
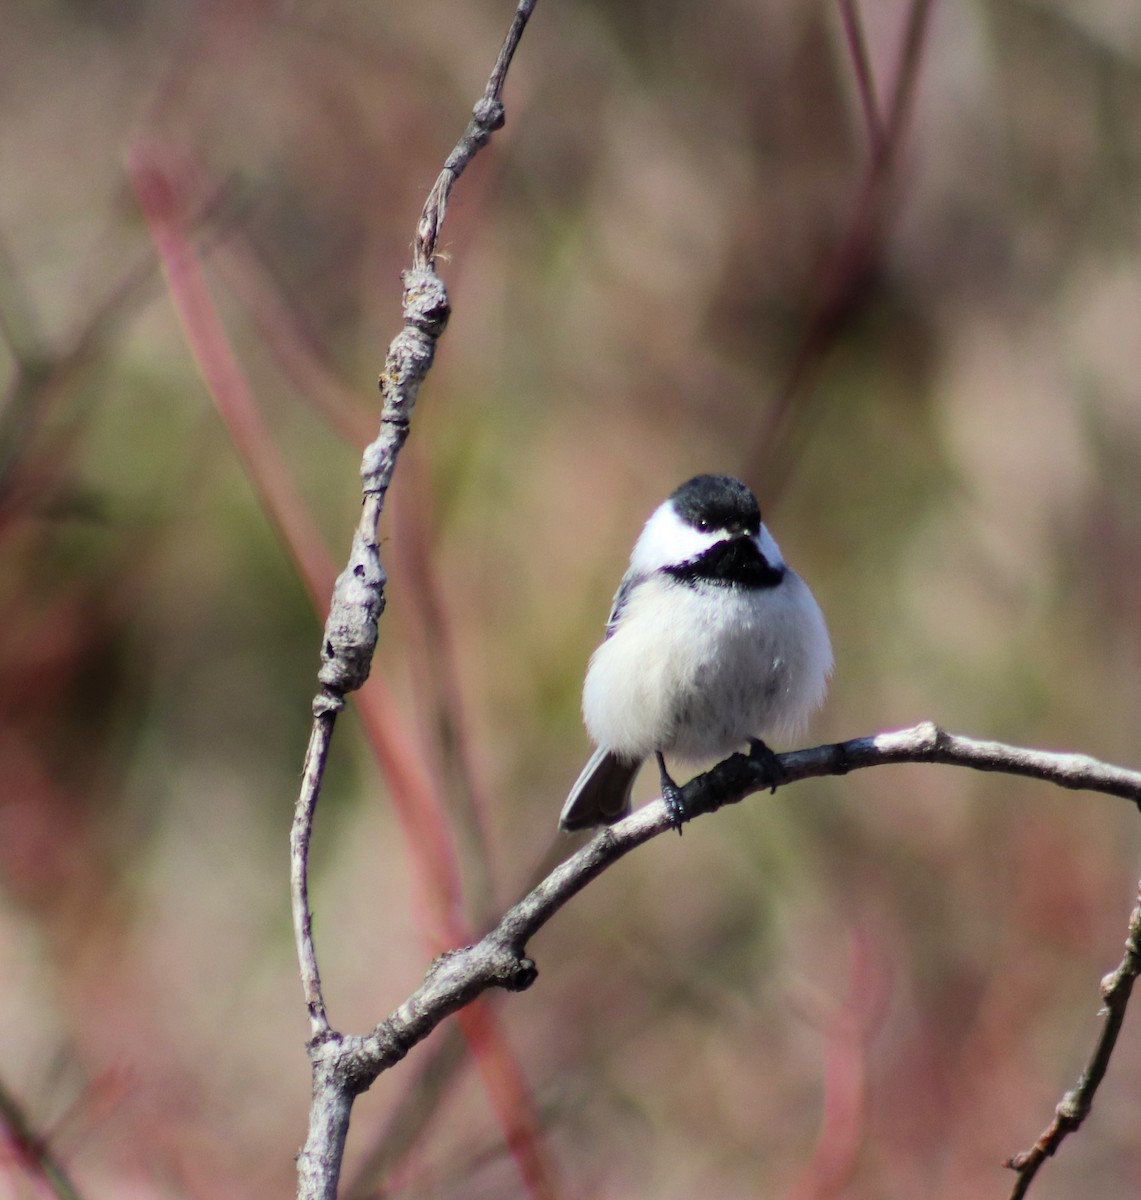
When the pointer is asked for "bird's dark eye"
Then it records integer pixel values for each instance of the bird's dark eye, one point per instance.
(703, 525)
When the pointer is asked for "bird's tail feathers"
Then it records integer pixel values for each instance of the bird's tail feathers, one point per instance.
(601, 794)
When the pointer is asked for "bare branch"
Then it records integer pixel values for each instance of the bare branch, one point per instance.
(1076, 1104)
(347, 1065)
(319, 1163)
(358, 595)
(499, 958)
(351, 628)
(487, 117)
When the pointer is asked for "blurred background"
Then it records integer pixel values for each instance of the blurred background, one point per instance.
(907, 312)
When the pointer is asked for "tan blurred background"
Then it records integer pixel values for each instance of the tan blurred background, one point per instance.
(679, 255)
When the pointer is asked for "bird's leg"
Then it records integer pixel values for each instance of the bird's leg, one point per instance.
(671, 795)
(769, 762)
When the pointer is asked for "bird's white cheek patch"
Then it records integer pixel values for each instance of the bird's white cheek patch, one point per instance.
(667, 539)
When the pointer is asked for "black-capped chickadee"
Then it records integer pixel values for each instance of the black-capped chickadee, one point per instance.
(712, 641)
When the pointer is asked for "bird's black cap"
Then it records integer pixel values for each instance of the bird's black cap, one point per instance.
(717, 502)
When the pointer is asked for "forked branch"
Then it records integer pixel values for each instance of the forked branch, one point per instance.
(499, 959)
(350, 635)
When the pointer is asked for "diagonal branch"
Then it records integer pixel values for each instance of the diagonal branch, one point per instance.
(499, 958)
(1076, 1104)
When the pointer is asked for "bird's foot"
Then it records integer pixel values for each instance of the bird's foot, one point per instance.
(672, 797)
(770, 763)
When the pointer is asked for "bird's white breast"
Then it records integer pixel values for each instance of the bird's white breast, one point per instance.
(696, 671)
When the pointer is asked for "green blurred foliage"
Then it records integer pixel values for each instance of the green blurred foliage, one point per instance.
(650, 258)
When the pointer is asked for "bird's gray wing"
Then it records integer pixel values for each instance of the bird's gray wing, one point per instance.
(621, 598)
(601, 794)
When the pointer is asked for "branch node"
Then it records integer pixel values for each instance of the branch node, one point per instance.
(1073, 1108)
(350, 631)
(409, 357)
(930, 736)
(342, 1060)
(323, 1045)
(524, 974)
(426, 305)
(489, 113)
(443, 963)
(328, 702)
(401, 422)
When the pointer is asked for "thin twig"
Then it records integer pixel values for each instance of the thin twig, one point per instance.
(312, 772)
(907, 74)
(487, 117)
(858, 49)
(1076, 1104)
(776, 450)
(33, 1149)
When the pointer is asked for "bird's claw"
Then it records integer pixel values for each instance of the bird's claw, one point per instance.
(672, 798)
(675, 806)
